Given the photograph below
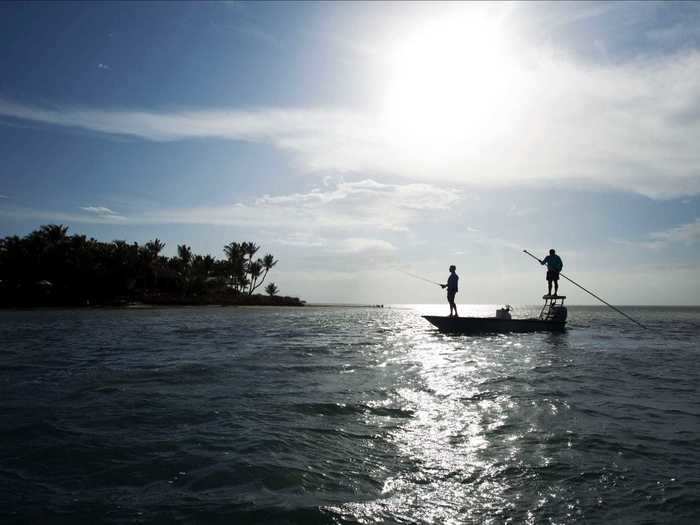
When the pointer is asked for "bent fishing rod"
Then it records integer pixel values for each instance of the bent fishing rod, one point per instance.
(421, 278)
(591, 293)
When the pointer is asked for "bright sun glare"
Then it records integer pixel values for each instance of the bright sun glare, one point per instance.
(451, 81)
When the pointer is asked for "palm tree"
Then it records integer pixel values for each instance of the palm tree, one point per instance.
(53, 233)
(233, 250)
(121, 261)
(184, 266)
(151, 253)
(236, 265)
(202, 267)
(45, 248)
(208, 265)
(154, 247)
(184, 253)
(266, 263)
(254, 270)
(250, 249)
(84, 270)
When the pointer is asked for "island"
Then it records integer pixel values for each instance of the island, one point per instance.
(49, 267)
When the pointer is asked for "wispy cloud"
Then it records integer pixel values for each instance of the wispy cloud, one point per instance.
(53, 216)
(361, 206)
(567, 13)
(103, 66)
(688, 234)
(356, 245)
(101, 211)
(518, 211)
(4, 197)
(632, 126)
(298, 239)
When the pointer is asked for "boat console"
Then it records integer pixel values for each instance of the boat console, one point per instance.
(504, 313)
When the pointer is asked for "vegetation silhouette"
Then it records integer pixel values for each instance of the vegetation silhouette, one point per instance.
(271, 289)
(48, 267)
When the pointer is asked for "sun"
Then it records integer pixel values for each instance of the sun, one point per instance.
(451, 82)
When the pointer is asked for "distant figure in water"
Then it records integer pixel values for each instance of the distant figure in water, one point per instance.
(452, 289)
(554, 266)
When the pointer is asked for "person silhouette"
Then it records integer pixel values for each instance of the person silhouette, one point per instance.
(452, 289)
(554, 266)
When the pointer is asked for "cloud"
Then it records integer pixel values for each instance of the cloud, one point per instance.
(279, 126)
(103, 66)
(304, 218)
(4, 197)
(102, 212)
(298, 239)
(18, 212)
(686, 233)
(568, 13)
(355, 245)
(632, 126)
(364, 204)
(99, 210)
(92, 215)
(342, 246)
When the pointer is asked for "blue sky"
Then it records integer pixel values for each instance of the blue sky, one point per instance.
(357, 140)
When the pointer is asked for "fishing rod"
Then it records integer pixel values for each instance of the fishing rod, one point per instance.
(594, 295)
(421, 278)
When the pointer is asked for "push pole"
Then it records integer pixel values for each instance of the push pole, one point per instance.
(594, 295)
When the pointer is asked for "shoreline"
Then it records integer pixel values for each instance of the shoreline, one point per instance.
(152, 306)
(166, 301)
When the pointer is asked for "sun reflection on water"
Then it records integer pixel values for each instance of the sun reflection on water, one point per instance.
(458, 449)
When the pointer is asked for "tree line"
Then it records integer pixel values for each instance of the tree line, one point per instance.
(49, 266)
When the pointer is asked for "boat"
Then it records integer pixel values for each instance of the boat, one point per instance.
(552, 318)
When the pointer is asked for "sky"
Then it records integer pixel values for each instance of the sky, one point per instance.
(360, 141)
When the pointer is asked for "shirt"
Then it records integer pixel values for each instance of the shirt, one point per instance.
(452, 282)
(554, 263)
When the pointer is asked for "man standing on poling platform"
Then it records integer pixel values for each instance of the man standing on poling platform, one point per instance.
(554, 266)
(452, 289)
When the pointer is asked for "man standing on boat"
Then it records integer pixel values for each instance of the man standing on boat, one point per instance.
(554, 266)
(452, 289)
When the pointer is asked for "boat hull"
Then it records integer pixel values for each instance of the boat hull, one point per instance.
(473, 325)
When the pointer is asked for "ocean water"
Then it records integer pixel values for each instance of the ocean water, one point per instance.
(346, 415)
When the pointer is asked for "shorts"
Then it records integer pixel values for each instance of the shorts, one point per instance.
(552, 275)
(451, 297)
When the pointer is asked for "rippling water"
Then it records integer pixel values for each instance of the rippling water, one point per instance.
(346, 415)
